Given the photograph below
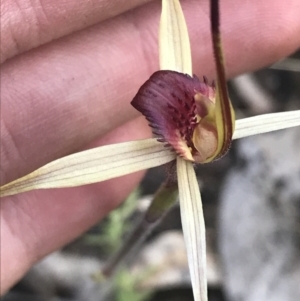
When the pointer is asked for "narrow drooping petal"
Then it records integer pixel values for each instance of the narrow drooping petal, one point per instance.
(224, 113)
(193, 227)
(266, 123)
(94, 165)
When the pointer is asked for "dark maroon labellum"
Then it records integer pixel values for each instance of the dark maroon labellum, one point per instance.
(174, 103)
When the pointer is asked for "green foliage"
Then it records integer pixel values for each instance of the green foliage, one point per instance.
(126, 286)
(116, 225)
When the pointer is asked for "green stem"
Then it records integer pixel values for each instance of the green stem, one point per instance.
(163, 200)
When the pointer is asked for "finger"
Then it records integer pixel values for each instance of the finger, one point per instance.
(35, 224)
(58, 98)
(68, 102)
(77, 88)
(28, 24)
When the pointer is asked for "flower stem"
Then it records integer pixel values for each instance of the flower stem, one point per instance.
(163, 200)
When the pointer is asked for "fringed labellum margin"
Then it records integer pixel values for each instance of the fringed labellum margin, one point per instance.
(181, 110)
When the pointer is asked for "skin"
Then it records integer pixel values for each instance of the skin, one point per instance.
(69, 71)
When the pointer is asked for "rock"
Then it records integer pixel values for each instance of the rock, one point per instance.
(166, 262)
(260, 220)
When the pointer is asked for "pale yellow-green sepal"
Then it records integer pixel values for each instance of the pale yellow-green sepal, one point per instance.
(266, 123)
(94, 165)
(193, 227)
(174, 43)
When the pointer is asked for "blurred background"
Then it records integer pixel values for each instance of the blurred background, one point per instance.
(251, 200)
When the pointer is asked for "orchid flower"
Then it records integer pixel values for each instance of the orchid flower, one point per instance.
(194, 122)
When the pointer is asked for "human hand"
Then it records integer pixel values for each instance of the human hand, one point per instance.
(75, 91)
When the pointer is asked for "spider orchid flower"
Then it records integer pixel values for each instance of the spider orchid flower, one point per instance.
(194, 122)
